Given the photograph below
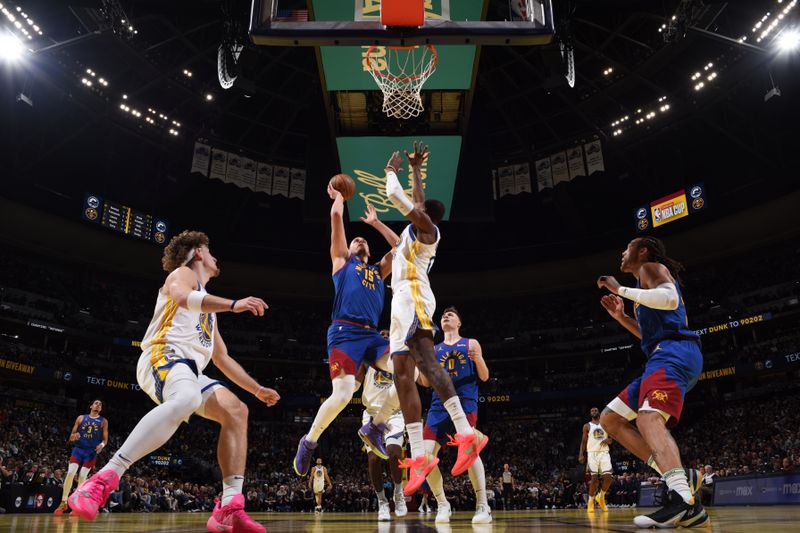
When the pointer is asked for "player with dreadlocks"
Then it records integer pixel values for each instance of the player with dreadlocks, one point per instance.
(674, 363)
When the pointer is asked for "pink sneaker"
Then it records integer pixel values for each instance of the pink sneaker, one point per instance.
(92, 494)
(232, 518)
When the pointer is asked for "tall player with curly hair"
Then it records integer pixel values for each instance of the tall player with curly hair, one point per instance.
(183, 337)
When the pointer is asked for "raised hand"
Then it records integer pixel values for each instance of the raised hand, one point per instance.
(614, 305)
(333, 193)
(251, 304)
(396, 162)
(609, 282)
(370, 215)
(419, 155)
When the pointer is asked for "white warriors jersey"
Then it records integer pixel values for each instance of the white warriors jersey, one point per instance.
(412, 262)
(596, 437)
(319, 475)
(177, 333)
(376, 390)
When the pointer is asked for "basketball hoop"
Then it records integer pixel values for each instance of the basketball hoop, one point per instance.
(400, 72)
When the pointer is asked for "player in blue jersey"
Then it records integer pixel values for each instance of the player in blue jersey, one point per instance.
(89, 435)
(352, 336)
(655, 399)
(462, 358)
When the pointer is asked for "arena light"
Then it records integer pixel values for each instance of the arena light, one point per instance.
(209, 97)
(788, 40)
(10, 47)
(187, 73)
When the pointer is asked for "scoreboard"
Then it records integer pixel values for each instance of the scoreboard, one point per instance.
(124, 219)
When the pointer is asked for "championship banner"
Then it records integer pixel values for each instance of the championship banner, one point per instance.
(234, 172)
(594, 157)
(264, 178)
(669, 208)
(219, 164)
(200, 158)
(297, 189)
(575, 159)
(558, 163)
(346, 67)
(544, 175)
(506, 180)
(248, 173)
(364, 159)
(522, 178)
(280, 181)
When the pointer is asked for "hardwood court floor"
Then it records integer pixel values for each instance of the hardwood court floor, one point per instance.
(775, 519)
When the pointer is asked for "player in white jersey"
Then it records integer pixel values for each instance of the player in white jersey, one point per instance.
(594, 452)
(181, 340)
(378, 385)
(316, 482)
(412, 327)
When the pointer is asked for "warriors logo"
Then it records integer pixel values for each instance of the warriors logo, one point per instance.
(205, 329)
(599, 434)
(382, 379)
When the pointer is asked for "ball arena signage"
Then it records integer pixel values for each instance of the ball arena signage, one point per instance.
(733, 324)
(675, 206)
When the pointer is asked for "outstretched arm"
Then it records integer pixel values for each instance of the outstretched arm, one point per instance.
(339, 250)
(371, 217)
(414, 212)
(239, 375)
(181, 286)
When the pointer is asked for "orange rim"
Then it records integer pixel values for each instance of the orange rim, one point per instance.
(427, 72)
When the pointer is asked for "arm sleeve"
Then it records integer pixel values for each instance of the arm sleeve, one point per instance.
(663, 297)
(395, 193)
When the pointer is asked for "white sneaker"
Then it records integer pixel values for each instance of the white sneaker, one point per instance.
(384, 515)
(483, 515)
(400, 508)
(443, 514)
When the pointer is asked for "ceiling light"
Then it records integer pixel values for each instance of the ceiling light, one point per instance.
(788, 40)
(10, 47)
(209, 97)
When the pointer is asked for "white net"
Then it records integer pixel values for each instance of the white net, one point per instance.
(400, 72)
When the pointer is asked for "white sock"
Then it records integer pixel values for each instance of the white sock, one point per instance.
(398, 490)
(381, 496)
(652, 464)
(71, 471)
(231, 486)
(181, 398)
(477, 475)
(453, 406)
(676, 480)
(415, 439)
(437, 486)
(340, 396)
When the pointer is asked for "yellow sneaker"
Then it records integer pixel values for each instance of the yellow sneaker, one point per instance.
(601, 501)
(590, 505)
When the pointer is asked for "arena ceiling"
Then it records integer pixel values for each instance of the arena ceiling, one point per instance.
(63, 138)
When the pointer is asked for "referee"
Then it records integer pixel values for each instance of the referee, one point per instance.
(508, 487)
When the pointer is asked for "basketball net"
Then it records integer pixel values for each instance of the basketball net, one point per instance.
(400, 72)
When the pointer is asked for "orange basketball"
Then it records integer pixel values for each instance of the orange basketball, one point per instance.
(344, 184)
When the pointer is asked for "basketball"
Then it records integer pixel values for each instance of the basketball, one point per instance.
(344, 184)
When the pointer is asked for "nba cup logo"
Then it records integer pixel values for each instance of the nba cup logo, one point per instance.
(659, 396)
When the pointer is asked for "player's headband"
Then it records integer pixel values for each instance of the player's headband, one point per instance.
(189, 257)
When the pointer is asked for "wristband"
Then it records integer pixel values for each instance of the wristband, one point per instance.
(194, 302)
(391, 167)
(233, 303)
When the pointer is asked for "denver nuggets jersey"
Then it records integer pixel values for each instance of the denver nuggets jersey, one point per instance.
(177, 333)
(90, 431)
(358, 293)
(596, 437)
(455, 360)
(412, 262)
(376, 389)
(658, 325)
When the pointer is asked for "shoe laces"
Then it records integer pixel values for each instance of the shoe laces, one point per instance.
(459, 439)
(408, 462)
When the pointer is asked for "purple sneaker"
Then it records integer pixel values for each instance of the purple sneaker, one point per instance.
(372, 436)
(302, 460)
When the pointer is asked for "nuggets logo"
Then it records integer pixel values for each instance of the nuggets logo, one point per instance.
(659, 396)
(698, 204)
(642, 224)
(91, 213)
(205, 329)
(336, 366)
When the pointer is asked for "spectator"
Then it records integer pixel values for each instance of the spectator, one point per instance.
(707, 489)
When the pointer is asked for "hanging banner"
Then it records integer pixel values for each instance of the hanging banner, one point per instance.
(264, 178)
(522, 178)
(234, 172)
(280, 181)
(248, 175)
(594, 157)
(297, 189)
(544, 174)
(575, 158)
(558, 162)
(494, 183)
(201, 158)
(506, 176)
(219, 164)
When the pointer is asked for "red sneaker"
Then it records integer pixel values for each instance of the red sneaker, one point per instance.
(419, 468)
(469, 446)
(232, 518)
(61, 508)
(92, 494)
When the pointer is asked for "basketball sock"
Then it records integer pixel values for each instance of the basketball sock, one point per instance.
(676, 480)
(340, 396)
(415, 439)
(181, 398)
(651, 462)
(437, 486)
(477, 475)
(231, 486)
(398, 490)
(71, 471)
(456, 412)
(381, 496)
